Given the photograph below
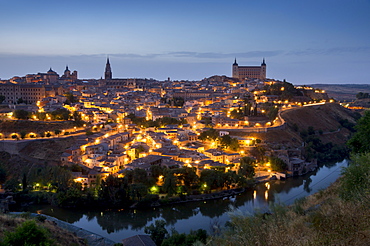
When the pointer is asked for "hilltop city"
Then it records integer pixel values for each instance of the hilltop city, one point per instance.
(127, 123)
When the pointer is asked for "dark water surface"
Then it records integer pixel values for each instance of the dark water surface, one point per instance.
(117, 225)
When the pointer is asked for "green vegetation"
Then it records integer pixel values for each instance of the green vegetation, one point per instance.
(360, 142)
(247, 165)
(285, 90)
(21, 114)
(277, 164)
(316, 149)
(160, 235)
(224, 142)
(28, 233)
(70, 98)
(362, 95)
(23, 230)
(211, 134)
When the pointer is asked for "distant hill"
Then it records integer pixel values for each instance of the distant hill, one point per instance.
(343, 92)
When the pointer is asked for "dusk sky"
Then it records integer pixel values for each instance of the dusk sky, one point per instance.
(304, 42)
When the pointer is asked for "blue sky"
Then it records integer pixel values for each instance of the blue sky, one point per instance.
(304, 42)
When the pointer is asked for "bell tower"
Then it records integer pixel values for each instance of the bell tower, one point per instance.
(108, 71)
(263, 70)
(235, 70)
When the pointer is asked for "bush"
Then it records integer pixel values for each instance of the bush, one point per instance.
(28, 233)
(356, 180)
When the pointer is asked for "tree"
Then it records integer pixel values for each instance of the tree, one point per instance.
(188, 176)
(70, 98)
(362, 95)
(57, 132)
(360, 141)
(139, 176)
(2, 98)
(278, 164)
(157, 232)
(40, 115)
(229, 142)
(272, 113)
(60, 114)
(170, 183)
(21, 114)
(183, 239)
(214, 179)
(210, 134)
(77, 118)
(157, 171)
(259, 153)
(237, 114)
(247, 167)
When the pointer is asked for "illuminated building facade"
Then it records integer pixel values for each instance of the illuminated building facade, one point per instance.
(249, 72)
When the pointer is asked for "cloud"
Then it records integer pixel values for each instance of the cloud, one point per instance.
(213, 55)
(175, 54)
(330, 51)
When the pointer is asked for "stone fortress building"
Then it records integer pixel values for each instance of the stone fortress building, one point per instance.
(249, 72)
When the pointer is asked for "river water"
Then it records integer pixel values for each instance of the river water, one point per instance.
(117, 225)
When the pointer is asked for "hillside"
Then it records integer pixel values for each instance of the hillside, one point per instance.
(59, 236)
(325, 120)
(48, 149)
(343, 92)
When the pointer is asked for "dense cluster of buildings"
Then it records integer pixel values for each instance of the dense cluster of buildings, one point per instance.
(123, 145)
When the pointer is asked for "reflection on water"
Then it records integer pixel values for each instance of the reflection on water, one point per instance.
(117, 225)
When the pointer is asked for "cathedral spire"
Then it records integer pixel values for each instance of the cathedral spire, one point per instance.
(235, 63)
(108, 70)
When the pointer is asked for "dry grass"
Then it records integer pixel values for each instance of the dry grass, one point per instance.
(321, 219)
(58, 235)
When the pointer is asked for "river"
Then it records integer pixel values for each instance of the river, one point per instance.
(117, 225)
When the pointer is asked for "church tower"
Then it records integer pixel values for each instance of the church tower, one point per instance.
(108, 71)
(263, 69)
(67, 72)
(235, 70)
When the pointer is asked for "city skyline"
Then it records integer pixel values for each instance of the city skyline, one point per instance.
(302, 42)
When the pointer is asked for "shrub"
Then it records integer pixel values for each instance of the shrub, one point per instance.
(28, 233)
(356, 180)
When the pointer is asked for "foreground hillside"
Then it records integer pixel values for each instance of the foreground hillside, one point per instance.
(26, 231)
(338, 215)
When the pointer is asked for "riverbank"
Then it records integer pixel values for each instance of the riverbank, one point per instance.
(118, 224)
